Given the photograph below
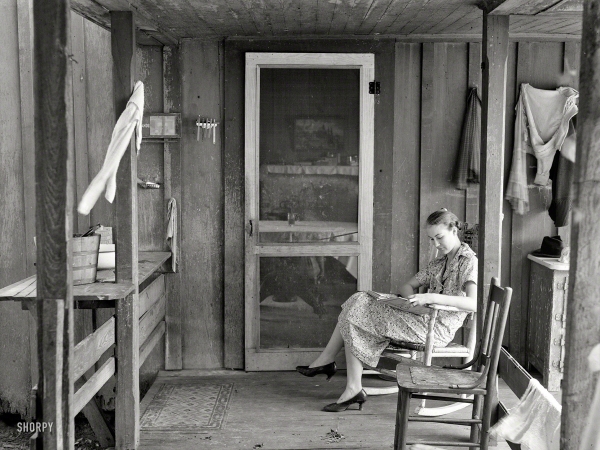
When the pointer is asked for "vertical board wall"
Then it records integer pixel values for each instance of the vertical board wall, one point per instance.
(201, 217)
(94, 119)
(14, 323)
(418, 124)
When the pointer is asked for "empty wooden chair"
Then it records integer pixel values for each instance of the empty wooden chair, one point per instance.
(433, 382)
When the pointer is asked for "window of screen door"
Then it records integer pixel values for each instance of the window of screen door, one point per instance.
(309, 196)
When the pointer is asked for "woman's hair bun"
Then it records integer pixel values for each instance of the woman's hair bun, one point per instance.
(443, 216)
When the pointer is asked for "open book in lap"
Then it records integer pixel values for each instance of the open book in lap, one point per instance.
(397, 302)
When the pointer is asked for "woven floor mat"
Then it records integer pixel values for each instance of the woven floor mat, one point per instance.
(191, 406)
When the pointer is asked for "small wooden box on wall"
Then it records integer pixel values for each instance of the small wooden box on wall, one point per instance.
(548, 290)
(161, 126)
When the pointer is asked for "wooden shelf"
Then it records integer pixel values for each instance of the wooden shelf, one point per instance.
(149, 262)
(550, 263)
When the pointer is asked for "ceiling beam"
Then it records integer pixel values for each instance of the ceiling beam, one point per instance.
(98, 11)
(530, 7)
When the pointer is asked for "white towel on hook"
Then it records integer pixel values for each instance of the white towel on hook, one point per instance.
(129, 120)
(534, 422)
(172, 232)
(591, 435)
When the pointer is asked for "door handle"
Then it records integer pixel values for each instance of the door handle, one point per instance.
(249, 228)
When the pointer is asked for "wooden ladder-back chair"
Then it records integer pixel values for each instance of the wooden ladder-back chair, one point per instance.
(417, 381)
(400, 351)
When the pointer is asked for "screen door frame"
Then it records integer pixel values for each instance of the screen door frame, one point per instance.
(257, 359)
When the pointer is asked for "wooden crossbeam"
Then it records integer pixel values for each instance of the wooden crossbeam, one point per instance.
(152, 317)
(93, 385)
(151, 341)
(151, 295)
(90, 349)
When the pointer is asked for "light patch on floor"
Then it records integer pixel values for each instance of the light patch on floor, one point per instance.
(187, 407)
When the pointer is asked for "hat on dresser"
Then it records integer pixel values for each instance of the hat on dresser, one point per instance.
(552, 247)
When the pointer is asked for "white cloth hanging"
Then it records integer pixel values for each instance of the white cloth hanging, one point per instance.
(129, 121)
(534, 422)
(591, 435)
(541, 125)
(548, 115)
(172, 232)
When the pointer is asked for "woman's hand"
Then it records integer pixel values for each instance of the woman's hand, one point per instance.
(422, 299)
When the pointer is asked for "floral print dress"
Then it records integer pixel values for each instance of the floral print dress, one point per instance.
(367, 326)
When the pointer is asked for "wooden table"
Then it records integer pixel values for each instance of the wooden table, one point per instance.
(104, 293)
(94, 295)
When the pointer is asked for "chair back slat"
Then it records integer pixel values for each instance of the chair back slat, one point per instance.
(486, 332)
(494, 319)
(502, 298)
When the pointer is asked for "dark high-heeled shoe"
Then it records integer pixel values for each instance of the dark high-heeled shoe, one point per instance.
(359, 398)
(328, 369)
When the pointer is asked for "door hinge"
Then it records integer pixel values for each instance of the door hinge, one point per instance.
(374, 88)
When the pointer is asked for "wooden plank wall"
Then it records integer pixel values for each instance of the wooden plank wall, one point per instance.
(202, 208)
(94, 118)
(539, 64)
(418, 121)
(234, 170)
(427, 103)
(14, 326)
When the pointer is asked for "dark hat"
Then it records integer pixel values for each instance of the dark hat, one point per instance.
(551, 247)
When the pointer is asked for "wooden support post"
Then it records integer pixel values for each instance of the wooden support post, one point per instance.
(25, 25)
(54, 205)
(583, 314)
(494, 59)
(127, 411)
(172, 184)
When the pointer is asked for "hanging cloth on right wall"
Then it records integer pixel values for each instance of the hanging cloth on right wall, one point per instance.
(541, 125)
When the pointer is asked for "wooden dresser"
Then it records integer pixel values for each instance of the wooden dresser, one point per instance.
(548, 284)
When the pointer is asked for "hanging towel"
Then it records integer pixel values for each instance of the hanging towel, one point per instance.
(467, 165)
(541, 125)
(534, 422)
(129, 120)
(591, 435)
(172, 232)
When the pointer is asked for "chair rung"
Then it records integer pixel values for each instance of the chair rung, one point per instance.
(394, 356)
(388, 372)
(443, 398)
(445, 444)
(442, 420)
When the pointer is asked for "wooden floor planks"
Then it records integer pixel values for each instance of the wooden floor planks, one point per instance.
(282, 410)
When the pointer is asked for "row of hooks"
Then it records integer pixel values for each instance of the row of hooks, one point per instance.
(206, 128)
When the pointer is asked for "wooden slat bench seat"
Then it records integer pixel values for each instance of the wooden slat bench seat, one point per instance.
(149, 263)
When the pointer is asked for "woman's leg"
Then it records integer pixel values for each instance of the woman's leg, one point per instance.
(354, 369)
(334, 345)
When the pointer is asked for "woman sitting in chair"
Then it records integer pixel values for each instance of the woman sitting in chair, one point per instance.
(366, 326)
